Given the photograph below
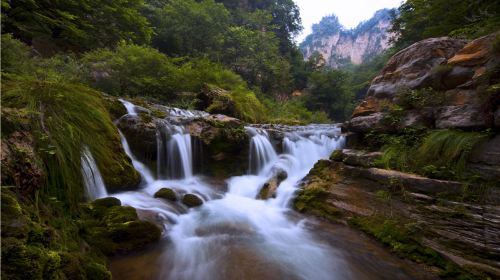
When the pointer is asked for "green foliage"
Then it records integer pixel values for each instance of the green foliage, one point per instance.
(420, 19)
(419, 98)
(65, 118)
(329, 94)
(76, 25)
(15, 55)
(439, 154)
(187, 27)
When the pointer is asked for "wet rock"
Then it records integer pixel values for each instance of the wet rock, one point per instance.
(191, 200)
(141, 136)
(166, 193)
(269, 188)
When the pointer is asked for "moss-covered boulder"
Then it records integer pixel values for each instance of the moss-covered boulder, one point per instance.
(116, 229)
(191, 200)
(166, 193)
(44, 244)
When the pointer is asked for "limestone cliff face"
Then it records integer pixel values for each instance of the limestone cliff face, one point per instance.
(339, 46)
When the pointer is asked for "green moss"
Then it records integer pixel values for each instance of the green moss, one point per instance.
(106, 202)
(120, 214)
(166, 193)
(191, 200)
(313, 199)
(337, 155)
(65, 118)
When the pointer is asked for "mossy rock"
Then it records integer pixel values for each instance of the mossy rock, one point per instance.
(133, 235)
(120, 214)
(337, 155)
(14, 222)
(106, 202)
(191, 200)
(166, 193)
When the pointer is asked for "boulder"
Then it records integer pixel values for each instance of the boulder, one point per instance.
(191, 200)
(216, 101)
(269, 188)
(410, 68)
(485, 159)
(166, 193)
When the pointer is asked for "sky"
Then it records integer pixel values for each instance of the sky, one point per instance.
(349, 12)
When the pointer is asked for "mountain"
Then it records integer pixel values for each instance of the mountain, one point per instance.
(340, 46)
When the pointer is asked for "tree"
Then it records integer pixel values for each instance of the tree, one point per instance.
(187, 27)
(329, 94)
(420, 19)
(76, 24)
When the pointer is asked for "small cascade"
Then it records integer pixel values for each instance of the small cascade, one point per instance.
(139, 166)
(94, 184)
(179, 154)
(129, 106)
(261, 150)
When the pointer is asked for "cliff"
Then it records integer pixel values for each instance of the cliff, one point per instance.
(340, 46)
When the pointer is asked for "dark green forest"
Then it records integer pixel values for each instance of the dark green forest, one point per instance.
(157, 49)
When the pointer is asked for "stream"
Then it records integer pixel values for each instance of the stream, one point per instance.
(233, 235)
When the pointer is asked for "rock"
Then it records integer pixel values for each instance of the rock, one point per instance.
(364, 124)
(226, 120)
(459, 75)
(141, 136)
(166, 193)
(463, 117)
(120, 214)
(269, 188)
(191, 200)
(368, 106)
(216, 101)
(418, 118)
(359, 158)
(410, 68)
(485, 159)
(474, 53)
(410, 182)
(133, 235)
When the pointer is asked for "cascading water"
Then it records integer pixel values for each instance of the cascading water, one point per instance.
(129, 106)
(94, 184)
(261, 150)
(139, 166)
(233, 235)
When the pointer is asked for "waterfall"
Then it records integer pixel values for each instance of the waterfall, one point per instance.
(139, 166)
(129, 106)
(180, 156)
(261, 150)
(94, 184)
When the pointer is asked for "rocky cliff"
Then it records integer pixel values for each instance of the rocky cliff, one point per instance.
(339, 46)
